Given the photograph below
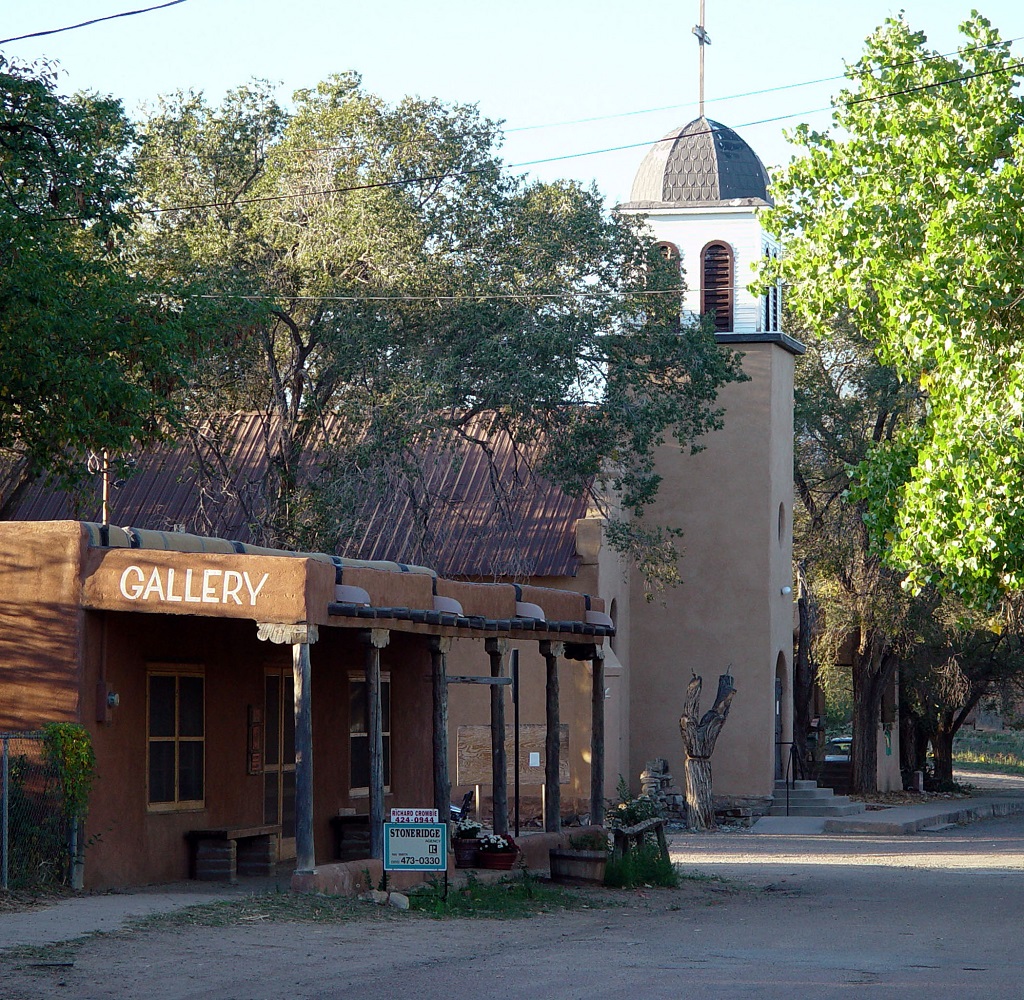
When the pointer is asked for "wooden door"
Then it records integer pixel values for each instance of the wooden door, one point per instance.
(279, 757)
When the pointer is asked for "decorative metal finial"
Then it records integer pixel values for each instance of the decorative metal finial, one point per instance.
(703, 38)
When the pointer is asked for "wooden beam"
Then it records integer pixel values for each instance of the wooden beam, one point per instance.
(552, 794)
(439, 649)
(305, 851)
(474, 679)
(496, 649)
(300, 638)
(597, 738)
(376, 639)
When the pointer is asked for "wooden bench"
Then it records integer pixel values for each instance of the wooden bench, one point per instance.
(223, 853)
(351, 837)
(635, 834)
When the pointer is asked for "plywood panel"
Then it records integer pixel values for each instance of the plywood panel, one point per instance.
(474, 754)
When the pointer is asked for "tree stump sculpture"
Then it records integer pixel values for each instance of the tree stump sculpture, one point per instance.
(699, 743)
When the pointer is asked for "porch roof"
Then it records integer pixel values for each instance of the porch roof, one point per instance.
(179, 573)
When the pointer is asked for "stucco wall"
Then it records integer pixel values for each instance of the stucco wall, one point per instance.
(40, 623)
(730, 612)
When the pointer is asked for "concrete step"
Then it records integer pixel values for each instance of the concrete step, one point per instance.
(831, 809)
(806, 794)
(807, 799)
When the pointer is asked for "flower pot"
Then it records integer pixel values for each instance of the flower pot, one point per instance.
(568, 865)
(465, 849)
(501, 861)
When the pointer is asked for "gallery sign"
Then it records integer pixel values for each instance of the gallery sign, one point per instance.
(195, 586)
(265, 588)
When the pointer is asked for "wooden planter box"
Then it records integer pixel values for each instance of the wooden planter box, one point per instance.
(569, 865)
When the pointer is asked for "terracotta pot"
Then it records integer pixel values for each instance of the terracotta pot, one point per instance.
(465, 850)
(501, 861)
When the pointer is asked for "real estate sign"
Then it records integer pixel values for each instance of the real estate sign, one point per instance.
(415, 847)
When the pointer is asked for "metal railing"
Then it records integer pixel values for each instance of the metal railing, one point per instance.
(35, 835)
(790, 770)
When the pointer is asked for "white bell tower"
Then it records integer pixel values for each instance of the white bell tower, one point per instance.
(700, 188)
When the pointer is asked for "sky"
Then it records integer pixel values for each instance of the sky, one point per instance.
(567, 77)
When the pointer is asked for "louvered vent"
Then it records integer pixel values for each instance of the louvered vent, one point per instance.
(716, 287)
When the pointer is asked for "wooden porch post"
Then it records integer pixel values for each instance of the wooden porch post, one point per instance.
(496, 649)
(376, 639)
(597, 737)
(439, 649)
(551, 651)
(300, 637)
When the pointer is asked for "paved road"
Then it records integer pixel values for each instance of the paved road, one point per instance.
(927, 916)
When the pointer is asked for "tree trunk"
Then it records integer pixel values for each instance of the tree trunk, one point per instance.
(699, 740)
(873, 668)
(942, 747)
(804, 677)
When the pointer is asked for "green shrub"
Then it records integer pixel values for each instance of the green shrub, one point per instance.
(643, 865)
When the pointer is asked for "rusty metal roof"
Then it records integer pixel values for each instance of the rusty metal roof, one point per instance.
(476, 517)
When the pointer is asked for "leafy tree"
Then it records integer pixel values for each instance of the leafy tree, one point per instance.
(88, 349)
(410, 297)
(959, 658)
(906, 217)
(845, 403)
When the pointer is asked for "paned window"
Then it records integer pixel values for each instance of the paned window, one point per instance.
(359, 733)
(176, 738)
(771, 304)
(716, 285)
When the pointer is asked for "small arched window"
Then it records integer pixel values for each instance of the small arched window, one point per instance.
(716, 284)
(667, 250)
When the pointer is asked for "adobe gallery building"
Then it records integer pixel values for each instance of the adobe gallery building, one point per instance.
(699, 189)
(248, 705)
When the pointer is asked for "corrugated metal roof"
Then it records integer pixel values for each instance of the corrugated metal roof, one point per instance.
(470, 513)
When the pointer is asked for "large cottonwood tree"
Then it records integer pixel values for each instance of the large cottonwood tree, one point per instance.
(906, 216)
(90, 351)
(408, 293)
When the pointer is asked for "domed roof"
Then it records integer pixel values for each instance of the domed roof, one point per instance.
(703, 163)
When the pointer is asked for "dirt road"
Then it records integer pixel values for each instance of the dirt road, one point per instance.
(935, 915)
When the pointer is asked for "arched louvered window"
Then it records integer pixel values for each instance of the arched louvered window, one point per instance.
(667, 250)
(716, 284)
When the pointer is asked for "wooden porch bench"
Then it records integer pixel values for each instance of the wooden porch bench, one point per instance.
(625, 836)
(350, 834)
(222, 853)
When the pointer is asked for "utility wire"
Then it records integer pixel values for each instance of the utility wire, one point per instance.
(850, 75)
(463, 297)
(85, 24)
(471, 171)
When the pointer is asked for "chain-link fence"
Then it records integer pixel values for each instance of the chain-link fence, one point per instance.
(35, 835)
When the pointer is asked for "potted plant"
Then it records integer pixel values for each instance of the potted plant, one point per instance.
(497, 851)
(466, 842)
(583, 860)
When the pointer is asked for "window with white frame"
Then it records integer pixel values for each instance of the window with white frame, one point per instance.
(771, 302)
(176, 737)
(359, 732)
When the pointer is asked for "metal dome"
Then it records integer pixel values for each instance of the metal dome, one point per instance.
(703, 163)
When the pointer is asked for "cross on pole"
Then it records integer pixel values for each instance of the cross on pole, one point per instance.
(703, 38)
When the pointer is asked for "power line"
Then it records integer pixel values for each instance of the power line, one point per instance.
(463, 297)
(768, 90)
(85, 24)
(472, 171)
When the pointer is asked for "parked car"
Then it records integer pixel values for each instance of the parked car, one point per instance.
(837, 750)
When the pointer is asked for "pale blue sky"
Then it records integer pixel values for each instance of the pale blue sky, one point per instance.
(529, 63)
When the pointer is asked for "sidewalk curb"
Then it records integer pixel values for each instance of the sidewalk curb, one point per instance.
(893, 825)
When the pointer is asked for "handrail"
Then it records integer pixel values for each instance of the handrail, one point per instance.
(789, 767)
